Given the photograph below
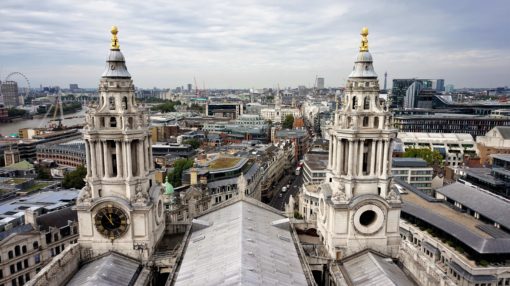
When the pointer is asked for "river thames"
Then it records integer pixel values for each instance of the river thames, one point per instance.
(69, 120)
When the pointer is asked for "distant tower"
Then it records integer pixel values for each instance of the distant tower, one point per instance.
(121, 207)
(358, 209)
(385, 79)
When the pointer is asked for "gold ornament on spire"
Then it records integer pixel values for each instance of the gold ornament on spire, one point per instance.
(115, 41)
(364, 40)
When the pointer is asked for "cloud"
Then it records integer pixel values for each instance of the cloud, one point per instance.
(245, 43)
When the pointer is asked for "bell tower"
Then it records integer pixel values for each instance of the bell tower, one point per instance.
(120, 208)
(358, 208)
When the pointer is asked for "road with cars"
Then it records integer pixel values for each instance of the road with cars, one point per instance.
(281, 198)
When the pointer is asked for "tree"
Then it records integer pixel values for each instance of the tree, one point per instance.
(75, 178)
(14, 112)
(180, 165)
(42, 173)
(166, 107)
(288, 122)
(194, 142)
(432, 157)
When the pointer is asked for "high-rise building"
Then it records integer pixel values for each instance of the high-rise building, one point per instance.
(9, 91)
(410, 88)
(189, 87)
(320, 82)
(358, 207)
(73, 86)
(120, 208)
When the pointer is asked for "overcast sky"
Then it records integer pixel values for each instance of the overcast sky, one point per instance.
(255, 44)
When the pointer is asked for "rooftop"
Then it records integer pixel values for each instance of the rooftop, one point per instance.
(242, 243)
(316, 161)
(408, 162)
(224, 163)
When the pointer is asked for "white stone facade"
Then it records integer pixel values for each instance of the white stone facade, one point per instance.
(120, 172)
(358, 209)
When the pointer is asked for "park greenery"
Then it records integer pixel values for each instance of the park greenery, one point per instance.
(195, 143)
(67, 107)
(180, 165)
(431, 157)
(14, 112)
(168, 106)
(75, 178)
(288, 123)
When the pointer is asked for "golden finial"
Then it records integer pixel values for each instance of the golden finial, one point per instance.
(364, 40)
(115, 41)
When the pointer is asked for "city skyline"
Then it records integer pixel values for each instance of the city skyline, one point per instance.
(253, 45)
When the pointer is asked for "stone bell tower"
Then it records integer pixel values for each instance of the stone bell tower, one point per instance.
(120, 208)
(358, 208)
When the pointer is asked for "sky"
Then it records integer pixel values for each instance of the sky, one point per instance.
(255, 44)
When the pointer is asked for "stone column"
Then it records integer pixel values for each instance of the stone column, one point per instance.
(151, 159)
(340, 157)
(330, 155)
(118, 157)
(87, 157)
(379, 155)
(372, 159)
(129, 160)
(93, 156)
(350, 165)
(361, 152)
(146, 153)
(385, 158)
(106, 159)
(99, 154)
(333, 161)
(141, 160)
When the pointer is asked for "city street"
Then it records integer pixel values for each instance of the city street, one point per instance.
(295, 182)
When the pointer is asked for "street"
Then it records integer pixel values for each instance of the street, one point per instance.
(294, 181)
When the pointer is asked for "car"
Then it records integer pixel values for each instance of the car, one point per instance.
(280, 195)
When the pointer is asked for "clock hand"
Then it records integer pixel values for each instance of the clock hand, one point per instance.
(109, 218)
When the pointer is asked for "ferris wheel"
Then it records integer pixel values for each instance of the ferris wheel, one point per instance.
(23, 78)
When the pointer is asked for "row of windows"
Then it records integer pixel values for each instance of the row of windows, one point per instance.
(18, 250)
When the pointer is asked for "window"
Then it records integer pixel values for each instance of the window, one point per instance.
(11, 255)
(112, 102)
(55, 237)
(24, 249)
(25, 263)
(14, 282)
(13, 268)
(37, 258)
(366, 103)
(124, 103)
(19, 266)
(27, 276)
(17, 250)
(36, 245)
(113, 122)
(354, 102)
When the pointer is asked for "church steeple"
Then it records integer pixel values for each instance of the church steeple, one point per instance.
(120, 172)
(358, 183)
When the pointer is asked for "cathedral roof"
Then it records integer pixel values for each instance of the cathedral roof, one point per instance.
(115, 64)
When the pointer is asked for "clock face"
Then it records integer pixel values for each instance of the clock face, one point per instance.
(111, 222)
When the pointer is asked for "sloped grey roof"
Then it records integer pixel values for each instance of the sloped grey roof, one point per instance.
(482, 202)
(408, 162)
(111, 270)
(372, 269)
(479, 244)
(504, 131)
(238, 245)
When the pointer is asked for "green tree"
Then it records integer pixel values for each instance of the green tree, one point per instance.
(165, 107)
(14, 112)
(42, 173)
(194, 142)
(432, 157)
(180, 165)
(288, 123)
(75, 178)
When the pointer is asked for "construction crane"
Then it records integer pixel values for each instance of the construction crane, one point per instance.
(197, 91)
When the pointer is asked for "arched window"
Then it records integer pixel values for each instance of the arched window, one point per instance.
(376, 122)
(112, 102)
(130, 122)
(124, 102)
(24, 249)
(354, 102)
(365, 121)
(36, 245)
(113, 122)
(11, 254)
(17, 250)
(366, 103)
